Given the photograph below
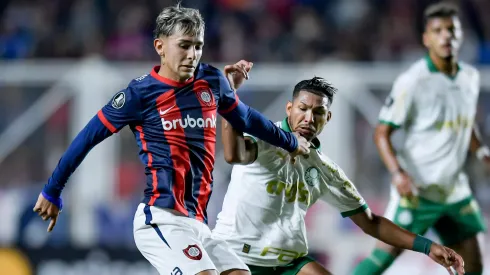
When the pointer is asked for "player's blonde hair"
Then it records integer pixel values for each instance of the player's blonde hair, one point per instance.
(178, 19)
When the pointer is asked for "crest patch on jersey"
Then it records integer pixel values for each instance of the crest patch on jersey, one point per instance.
(389, 101)
(119, 100)
(193, 252)
(205, 97)
(312, 176)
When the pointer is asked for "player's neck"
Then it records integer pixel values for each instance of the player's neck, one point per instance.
(165, 72)
(445, 66)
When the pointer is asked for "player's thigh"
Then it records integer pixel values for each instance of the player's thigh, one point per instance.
(172, 247)
(223, 256)
(461, 229)
(416, 215)
(471, 251)
(313, 268)
(462, 221)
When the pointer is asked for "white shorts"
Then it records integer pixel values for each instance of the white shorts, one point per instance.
(180, 245)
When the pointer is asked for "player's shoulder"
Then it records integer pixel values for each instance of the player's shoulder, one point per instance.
(208, 70)
(414, 73)
(140, 82)
(468, 69)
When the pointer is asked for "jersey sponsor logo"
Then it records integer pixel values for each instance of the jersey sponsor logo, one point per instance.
(246, 248)
(193, 252)
(283, 255)
(190, 122)
(312, 176)
(459, 123)
(292, 192)
(118, 100)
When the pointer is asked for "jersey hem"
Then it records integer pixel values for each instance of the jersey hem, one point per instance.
(355, 211)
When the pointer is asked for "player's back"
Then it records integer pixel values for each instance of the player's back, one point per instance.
(175, 127)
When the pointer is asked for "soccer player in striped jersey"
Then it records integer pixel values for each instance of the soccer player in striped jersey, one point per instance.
(172, 113)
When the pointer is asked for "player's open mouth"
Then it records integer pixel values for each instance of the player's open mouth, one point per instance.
(306, 131)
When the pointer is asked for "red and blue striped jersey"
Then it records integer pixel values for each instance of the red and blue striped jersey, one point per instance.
(174, 125)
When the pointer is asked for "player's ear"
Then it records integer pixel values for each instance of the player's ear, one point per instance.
(158, 44)
(329, 116)
(289, 106)
(425, 39)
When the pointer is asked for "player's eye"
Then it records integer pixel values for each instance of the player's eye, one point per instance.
(184, 46)
(198, 47)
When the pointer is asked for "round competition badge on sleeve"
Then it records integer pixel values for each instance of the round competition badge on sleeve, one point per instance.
(119, 100)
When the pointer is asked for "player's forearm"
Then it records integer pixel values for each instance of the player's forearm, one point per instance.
(389, 233)
(233, 143)
(245, 119)
(93, 133)
(382, 138)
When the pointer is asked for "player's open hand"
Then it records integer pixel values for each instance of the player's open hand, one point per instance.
(238, 72)
(47, 211)
(403, 184)
(303, 147)
(447, 258)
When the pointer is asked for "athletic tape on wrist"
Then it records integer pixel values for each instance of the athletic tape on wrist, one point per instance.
(422, 245)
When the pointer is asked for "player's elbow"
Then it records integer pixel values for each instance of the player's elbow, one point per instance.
(382, 133)
(233, 157)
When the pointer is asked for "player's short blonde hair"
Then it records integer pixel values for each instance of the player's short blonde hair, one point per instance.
(178, 19)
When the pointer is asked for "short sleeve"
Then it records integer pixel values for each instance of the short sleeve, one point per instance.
(228, 99)
(341, 193)
(124, 108)
(398, 105)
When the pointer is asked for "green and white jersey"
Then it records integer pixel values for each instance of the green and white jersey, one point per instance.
(437, 113)
(263, 214)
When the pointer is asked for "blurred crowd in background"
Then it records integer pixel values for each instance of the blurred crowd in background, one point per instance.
(258, 30)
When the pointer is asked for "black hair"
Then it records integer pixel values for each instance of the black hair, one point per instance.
(440, 9)
(316, 85)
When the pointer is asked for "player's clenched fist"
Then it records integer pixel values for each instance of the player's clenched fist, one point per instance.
(47, 210)
(302, 149)
(447, 258)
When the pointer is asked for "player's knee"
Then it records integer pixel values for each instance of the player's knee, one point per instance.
(235, 272)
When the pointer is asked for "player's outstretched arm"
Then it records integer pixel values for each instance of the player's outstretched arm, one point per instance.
(124, 108)
(49, 203)
(237, 148)
(245, 119)
(389, 233)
